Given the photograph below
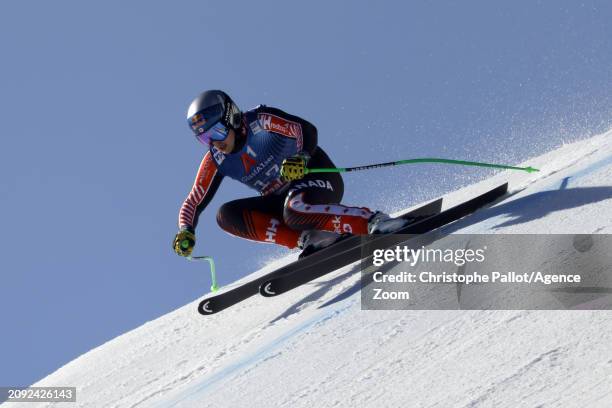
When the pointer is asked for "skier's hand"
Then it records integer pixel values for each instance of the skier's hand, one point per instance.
(184, 243)
(293, 168)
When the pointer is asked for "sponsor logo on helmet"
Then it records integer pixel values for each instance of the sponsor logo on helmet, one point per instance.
(197, 120)
(228, 113)
(279, 125)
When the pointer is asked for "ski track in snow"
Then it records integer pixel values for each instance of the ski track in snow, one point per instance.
(315, 347)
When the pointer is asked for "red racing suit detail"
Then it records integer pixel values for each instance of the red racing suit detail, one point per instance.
(327, 217)
(206, 183)
(258, 226)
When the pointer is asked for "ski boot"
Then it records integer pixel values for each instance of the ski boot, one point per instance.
(381, 223)
(315, 240)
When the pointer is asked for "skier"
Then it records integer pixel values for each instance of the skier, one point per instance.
(268, 150)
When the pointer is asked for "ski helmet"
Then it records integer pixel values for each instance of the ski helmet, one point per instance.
(211, 115)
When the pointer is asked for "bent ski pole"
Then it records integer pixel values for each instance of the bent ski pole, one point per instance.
(214, 287)
(420, 160)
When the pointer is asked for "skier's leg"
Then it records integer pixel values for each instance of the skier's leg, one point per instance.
(258, 219)
(303, 213)
(313, 203)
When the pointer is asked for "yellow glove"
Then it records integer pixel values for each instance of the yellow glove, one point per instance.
(293, 168)
(184, 243)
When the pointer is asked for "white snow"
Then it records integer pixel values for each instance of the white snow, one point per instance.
(315, 347)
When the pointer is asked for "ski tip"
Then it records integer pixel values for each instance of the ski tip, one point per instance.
(206, 307)
(531, 169)
(267, 290)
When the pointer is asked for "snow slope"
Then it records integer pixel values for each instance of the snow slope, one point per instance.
(315, 347)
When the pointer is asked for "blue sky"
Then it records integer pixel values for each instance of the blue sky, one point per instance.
(96, 157)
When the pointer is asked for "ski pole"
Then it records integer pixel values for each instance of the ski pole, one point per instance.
(419, 160)
(214, 287)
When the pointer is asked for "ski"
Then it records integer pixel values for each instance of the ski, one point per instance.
(216, 303)
(280, 284)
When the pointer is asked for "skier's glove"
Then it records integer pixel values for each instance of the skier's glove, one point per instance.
(294, 168)
(184, 243)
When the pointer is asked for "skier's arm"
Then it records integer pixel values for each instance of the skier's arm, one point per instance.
(204, 188)
(307, 133)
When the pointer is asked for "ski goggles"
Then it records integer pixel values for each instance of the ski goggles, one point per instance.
(216, 133)
(207, 125)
